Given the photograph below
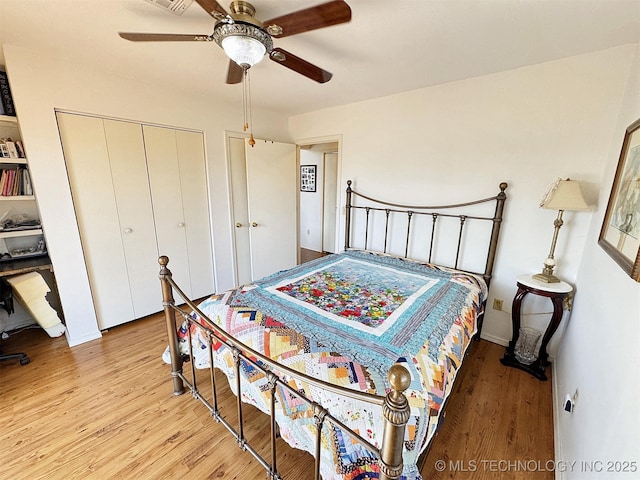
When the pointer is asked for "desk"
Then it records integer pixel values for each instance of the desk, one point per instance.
(25, 265)
(556, 292)
(18, 266)
(31, 281)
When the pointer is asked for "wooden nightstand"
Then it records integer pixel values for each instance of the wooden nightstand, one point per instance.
(557, 293)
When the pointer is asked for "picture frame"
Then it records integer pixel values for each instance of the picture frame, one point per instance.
(308, 178)
(620, 232)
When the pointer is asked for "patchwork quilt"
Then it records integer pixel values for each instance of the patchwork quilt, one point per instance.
(346, 319)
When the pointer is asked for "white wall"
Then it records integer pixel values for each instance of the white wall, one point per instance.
(310, 204)
(600, 354)
(41, 84)
(460, 140)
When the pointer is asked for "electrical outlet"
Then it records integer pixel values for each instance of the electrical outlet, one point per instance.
(497, 304)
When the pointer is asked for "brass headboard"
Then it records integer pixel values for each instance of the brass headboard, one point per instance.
(411, 212)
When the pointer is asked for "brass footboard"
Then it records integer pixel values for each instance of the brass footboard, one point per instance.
(395, 406)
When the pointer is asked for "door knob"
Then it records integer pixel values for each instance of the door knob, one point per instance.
(180, 224)
(238, 225)
(254, 224)
(128, 230)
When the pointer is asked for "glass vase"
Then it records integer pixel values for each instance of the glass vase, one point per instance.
(526, 351)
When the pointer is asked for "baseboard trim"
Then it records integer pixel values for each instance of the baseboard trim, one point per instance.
(557, 443)
(494, 339)
(73, 341)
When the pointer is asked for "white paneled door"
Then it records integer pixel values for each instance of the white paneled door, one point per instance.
(264, 199)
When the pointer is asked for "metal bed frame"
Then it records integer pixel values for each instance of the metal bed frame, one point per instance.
(395, 407)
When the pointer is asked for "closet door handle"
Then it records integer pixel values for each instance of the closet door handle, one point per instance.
(128, 230)
(254, 224)
(238, 225)
(181, 224)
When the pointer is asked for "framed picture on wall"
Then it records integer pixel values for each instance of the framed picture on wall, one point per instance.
(620, 233)
(307, 178)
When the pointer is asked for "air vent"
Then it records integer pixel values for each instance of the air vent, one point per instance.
(174, 6)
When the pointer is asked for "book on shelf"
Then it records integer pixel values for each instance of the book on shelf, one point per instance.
(11, 182)
(20, 149)
(15, 182)
(26, 182)
(7, 186)
(5, 95)
(3, 180)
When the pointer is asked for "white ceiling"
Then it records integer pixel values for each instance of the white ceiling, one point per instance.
(389, 46)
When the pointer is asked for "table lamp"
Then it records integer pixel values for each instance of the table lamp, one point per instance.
(563, 195)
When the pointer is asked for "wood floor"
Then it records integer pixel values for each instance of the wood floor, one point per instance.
(105, 410)
(307, 255)
(496, 417)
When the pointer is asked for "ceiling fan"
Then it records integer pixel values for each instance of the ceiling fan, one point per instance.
(247, 40)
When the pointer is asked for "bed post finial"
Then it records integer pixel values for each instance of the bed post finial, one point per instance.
(170, 319)
(396, 412)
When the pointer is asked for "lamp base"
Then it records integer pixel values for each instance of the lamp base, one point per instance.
(546, 277)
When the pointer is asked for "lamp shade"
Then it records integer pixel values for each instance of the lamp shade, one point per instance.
(564, 195)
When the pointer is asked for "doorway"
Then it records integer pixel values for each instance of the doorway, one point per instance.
(318, 201)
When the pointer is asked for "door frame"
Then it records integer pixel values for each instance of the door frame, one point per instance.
(309, 142)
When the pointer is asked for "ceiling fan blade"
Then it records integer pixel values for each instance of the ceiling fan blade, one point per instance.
(234, 73)
(164, 37)
(324, 15)
(299, 65)
(213, 8)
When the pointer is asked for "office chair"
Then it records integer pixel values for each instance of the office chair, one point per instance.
(6, 307)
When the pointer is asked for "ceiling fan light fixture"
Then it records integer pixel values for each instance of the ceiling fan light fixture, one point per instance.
(243, 50)
(243, 43)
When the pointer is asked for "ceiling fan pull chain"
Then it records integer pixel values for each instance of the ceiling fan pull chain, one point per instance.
(252, 141)
(246, 104)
